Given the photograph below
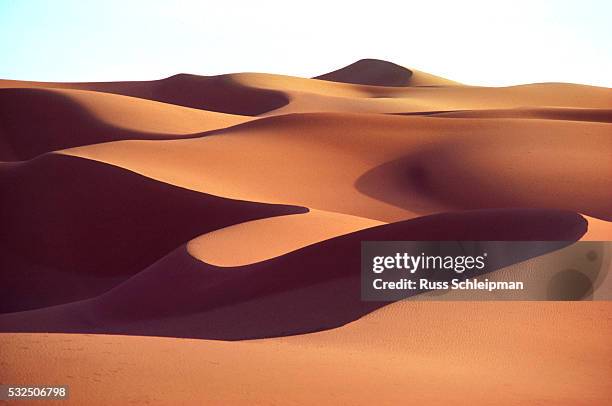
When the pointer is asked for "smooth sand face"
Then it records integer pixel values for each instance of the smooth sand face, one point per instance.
(382, 73)
(258, 240)
(369, 144)
(137, 114)
(310, 161)
(40, 120)
(603, 115)
(364, 99)
(429, 353)
(599, 230)
(386, 167)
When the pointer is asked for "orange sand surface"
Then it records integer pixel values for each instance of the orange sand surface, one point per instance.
(426, 353)
(376, 166)
(219, 207)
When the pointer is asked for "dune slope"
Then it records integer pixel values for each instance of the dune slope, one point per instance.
(80, 216)
(386, 167)
(429, 353)
(312, 288)
(214, 93)
(35, 121)
(232, 208)
(377, 72)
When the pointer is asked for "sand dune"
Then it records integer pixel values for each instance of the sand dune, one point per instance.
(307, 95)
(258, 240)
(106, 221)
(35, 121)
(546, 113)
(599, 230)
(427, 352)
(215, 93)
(376, 72)
(386, 167)
(351, 89)
(308, 289)
(232, 207)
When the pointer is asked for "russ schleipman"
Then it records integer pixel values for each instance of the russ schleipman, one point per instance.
(454, 284)
(411, 263)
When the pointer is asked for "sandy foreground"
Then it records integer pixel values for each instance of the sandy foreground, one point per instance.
(427, 352)
(128, 208)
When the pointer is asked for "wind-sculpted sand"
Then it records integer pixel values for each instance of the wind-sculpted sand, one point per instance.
(226, 214)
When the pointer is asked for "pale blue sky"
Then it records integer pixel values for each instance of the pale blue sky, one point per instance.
(475, 42)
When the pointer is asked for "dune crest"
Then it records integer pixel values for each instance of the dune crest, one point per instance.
(214, 93)
(312, 288)
(376, 72)
(233, 208)
(386, 167)
(98, 220)
(258, 240)
(40, 120)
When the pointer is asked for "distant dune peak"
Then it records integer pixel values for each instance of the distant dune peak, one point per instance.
(371, 72)
(377, 72)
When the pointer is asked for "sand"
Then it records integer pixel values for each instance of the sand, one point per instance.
(386, 167)
(185, 240)
(36, 121)
(429, 353)
(308, 289)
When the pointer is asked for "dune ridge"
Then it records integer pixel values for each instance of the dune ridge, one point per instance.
(214, 93)
(231, 209)
(386, 164)
(39, 120)
(376, 72)
(106, 221)
(261, 94)
(601, 115)
(308, 289)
